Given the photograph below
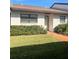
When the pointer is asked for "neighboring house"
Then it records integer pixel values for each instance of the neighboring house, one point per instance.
(60, 6)
(30, 15)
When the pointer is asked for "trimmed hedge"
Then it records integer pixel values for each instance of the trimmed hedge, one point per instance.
(62, 29)
(27, 30)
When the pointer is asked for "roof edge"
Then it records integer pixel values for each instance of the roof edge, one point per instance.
(36, 9)
(59, 4)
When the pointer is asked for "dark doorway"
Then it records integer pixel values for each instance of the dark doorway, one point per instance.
(47, 21)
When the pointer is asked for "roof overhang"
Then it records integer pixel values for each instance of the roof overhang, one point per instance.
(36, 9)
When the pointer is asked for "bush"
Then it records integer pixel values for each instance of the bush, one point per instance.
(26, 30)
(62, 29)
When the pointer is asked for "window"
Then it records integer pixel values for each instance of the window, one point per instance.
(28, 18)
(62, 19)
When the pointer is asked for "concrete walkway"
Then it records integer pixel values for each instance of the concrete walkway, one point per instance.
(58, 36)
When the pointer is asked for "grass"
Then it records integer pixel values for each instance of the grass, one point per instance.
(37, 47)
(17, 41)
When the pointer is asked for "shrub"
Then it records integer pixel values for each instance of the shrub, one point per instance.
(27, 30)
(62, 29)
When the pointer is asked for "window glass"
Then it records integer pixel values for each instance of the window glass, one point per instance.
(62, 19)
(34, 16)
(28, 18)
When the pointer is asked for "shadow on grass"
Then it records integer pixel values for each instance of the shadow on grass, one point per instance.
(54, 50)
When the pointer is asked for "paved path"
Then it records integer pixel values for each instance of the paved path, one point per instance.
(58, 36)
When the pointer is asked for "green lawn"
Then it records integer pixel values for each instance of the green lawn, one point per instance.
(17, 41)
(37, 47)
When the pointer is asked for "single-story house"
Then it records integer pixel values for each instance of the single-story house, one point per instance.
(32, 15)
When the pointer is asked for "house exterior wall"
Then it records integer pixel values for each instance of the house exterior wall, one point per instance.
(56, 20)
(41, 20)
(16, 20)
